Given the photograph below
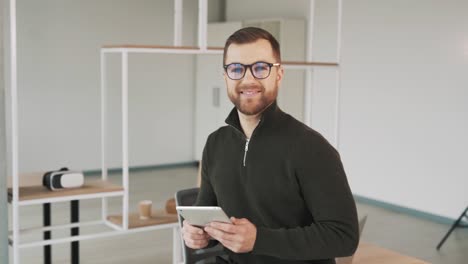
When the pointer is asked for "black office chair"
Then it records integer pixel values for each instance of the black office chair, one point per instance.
(458, 223)
(188, 197)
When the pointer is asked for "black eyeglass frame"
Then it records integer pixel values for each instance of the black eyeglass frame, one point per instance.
(249, 66)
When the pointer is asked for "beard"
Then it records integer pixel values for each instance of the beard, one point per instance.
(255, 105)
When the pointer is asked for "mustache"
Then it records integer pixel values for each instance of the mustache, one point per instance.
(241, 88)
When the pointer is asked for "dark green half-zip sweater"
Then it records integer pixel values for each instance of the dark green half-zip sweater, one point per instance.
(289, 182)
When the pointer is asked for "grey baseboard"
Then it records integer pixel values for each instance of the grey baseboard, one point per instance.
(145, 168)
(409, 211)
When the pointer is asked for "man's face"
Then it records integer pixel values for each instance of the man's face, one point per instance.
(250, 95)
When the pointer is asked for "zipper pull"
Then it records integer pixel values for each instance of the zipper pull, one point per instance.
(246, 149)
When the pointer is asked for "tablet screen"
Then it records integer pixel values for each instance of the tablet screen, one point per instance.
(203, 215)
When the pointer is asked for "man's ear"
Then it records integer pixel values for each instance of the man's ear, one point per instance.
(280, 74)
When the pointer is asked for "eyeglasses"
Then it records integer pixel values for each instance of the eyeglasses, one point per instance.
(259, 70)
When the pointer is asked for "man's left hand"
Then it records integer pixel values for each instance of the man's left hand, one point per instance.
(239, 236)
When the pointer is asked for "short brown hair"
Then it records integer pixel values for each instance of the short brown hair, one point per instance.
(250, 35)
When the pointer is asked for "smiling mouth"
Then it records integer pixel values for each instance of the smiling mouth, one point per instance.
(249, 92)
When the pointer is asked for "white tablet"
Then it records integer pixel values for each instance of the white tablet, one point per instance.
(203, 215)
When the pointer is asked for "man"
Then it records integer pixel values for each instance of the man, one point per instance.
(282, 182)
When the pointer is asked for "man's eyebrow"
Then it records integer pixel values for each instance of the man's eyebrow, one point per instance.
(227, 63)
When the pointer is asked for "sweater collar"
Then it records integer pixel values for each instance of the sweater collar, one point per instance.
(268, 116)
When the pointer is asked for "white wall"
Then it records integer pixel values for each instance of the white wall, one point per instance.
(59, 98)
(404, 102)
(244, 9)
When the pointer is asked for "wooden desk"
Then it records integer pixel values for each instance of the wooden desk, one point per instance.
(372, 254)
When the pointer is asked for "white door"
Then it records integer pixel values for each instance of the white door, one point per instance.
(212, 103)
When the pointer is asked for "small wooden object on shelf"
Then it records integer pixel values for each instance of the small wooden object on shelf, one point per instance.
(158, 217)
(171, 206)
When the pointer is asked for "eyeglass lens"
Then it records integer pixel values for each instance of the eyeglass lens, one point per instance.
(260, 70)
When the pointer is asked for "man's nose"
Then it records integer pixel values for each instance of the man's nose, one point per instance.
(248, 77)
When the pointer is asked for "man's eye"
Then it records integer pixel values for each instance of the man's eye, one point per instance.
(237, 70)
(260, 68)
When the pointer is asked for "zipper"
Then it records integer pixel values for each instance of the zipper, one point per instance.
(246, 149)
(247, 140)
(246, 143)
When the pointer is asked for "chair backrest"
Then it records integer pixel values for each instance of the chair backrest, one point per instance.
(188, 197)
(349, 259)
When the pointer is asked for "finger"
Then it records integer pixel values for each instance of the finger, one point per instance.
(196, 244)
(187, 226)
(233, 246)
(191, 229)
(195, 240)
(239, 221)
(196, 236)
(229, 228)
(194, 233)
(236, 221)
(220, 235)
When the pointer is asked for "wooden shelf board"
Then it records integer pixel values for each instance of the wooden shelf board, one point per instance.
(136, 46)
(158, 217)
(195, 48)
(27, 193)
(309, 63)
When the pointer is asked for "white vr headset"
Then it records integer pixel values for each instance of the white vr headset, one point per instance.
(62, 179)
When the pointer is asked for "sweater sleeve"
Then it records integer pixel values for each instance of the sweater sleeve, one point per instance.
(333, 231)
(206, 196)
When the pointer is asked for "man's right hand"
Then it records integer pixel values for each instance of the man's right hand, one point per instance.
(194, 237)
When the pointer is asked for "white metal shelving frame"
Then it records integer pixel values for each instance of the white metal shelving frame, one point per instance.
(16, 200)
(125, 50)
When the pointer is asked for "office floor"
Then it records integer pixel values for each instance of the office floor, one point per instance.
(393, 230)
